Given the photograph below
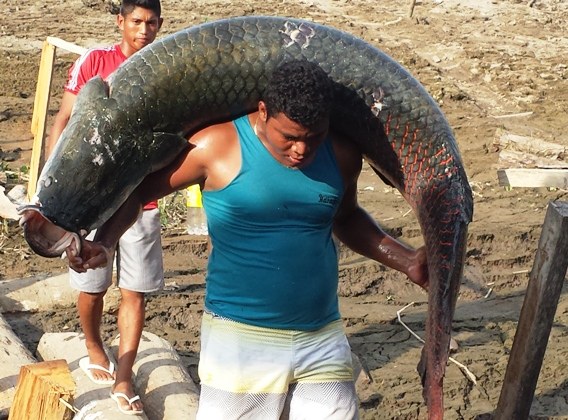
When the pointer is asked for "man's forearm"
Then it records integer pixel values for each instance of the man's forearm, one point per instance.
(111, 231)
(362, 234)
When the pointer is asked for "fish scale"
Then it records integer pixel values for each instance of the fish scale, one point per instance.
(118, 134)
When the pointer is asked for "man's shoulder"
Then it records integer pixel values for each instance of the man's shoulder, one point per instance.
(346, 152)
(100, 53)
(216, 137)
(97, 61)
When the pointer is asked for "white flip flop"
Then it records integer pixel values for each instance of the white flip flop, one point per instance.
(86, 366)
(115, 397)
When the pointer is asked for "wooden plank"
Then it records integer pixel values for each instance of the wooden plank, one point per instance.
(44, 391)
(533, 178)
(39, 117)
(537, 315)
(166, 388)
(13, 356)
(65, 45)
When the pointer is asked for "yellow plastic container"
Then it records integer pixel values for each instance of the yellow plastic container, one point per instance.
(196, 219)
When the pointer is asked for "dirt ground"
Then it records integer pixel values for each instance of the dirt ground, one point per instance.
(491, 64)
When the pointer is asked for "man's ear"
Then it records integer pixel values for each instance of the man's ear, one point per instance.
(160, 21)
(120, 21)
(262, 112)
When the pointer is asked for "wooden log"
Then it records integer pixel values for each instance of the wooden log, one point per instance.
(533, 178)
(516, 159)
(537, 315)
(166, 388)
(92, 400)
(7, 208)
(506, 140)
(44, 391)
(42, 293)
(13, 356)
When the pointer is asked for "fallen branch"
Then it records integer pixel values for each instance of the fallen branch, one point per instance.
(521, 114)
(463, 368)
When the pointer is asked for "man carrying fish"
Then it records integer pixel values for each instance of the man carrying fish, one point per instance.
(276, 185)
(139, 255)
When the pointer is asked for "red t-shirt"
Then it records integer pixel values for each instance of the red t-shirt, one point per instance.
(99, 61)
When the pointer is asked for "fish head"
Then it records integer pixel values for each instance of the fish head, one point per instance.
(95, 164)
(43, 236)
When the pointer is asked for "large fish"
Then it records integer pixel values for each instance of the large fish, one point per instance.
(137, 123)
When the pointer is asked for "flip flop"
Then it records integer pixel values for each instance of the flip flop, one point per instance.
(115, 397)
(86, 366)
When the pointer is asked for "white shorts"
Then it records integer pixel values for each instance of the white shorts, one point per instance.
(250, 372)
(139, 260)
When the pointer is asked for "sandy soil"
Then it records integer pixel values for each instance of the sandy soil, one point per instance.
(482, 60)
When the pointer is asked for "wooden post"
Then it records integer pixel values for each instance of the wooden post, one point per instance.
(537, 315)
(39, 117)
(41, 387)
(41, 102)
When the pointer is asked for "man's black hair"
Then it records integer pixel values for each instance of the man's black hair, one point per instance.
(301, 90)
(128, 6)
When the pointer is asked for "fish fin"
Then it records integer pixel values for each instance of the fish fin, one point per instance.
(95, 88)
(165, 149)
(421, 368)
(383, 178)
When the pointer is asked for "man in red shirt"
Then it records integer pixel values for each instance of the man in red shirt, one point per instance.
(139, 253)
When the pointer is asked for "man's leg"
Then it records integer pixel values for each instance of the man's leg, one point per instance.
(140, 270)
(90, 308)
(244, 370)
(323, 385)
(92, 287)
(130, 325)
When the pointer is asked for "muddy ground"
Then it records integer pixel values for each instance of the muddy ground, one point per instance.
(492, 65)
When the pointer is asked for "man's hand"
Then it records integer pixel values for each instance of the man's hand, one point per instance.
(418, 269)
(93, 255)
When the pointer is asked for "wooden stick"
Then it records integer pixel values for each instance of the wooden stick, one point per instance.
(411, 11)
(537, 316)
(463, 368)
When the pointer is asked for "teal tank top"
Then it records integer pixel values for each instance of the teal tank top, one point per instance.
(273, 261)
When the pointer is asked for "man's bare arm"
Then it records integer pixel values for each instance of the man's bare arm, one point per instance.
(60, 122)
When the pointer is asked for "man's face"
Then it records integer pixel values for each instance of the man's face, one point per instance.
(139, 29)
(290, 143)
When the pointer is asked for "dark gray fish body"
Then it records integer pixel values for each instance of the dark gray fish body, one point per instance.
(215, 72)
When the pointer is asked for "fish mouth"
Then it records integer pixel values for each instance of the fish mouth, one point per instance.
(43, 236)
